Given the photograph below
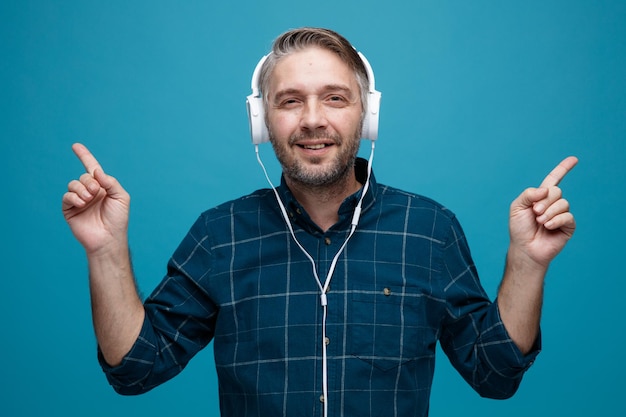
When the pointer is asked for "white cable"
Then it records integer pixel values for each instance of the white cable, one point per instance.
(323, 288)
(286, 217)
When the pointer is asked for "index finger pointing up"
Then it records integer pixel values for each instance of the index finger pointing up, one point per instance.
(558, 173)
(86, 158)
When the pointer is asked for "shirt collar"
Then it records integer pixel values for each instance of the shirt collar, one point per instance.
(299, 216)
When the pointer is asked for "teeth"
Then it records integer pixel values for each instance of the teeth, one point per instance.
(318, 146)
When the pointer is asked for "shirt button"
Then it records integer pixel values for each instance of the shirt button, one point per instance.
(322, 398)
(327, 341)
(327, 241)
(298, 210)
(387, 291)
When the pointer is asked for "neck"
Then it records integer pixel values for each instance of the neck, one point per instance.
(322, 202)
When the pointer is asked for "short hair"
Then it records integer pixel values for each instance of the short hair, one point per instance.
(299, 39)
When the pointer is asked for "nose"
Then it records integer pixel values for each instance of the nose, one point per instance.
(313, 116)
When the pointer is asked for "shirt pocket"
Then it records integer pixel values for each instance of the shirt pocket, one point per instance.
(389, 325)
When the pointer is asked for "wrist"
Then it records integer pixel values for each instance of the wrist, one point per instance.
(520, 263)
(523, 256)
(113, 253)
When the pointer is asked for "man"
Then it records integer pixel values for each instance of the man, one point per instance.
(361, 339)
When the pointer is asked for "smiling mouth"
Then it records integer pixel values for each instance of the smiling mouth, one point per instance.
(314, 147)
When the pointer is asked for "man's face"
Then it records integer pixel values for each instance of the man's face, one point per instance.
(314, 116)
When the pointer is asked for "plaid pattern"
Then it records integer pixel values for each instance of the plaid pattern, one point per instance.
(405, 281)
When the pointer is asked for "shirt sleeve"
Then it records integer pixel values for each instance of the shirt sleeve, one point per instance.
(179, 320)
(473, 336)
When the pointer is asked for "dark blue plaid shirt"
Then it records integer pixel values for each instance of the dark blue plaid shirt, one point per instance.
(405, 281)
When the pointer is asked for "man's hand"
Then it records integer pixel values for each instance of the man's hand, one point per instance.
(96, 207)
(540, 221)
(540, 226)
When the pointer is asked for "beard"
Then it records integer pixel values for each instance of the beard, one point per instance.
(312, 173)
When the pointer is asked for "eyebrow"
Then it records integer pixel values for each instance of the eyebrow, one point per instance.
(325, 89)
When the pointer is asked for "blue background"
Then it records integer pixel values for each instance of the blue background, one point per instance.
(480, 100)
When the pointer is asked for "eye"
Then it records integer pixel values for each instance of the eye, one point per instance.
(336, 100)
(289, 103)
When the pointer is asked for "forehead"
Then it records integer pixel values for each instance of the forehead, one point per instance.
(309, 69)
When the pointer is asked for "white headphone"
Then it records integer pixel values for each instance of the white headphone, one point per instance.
(256, 111)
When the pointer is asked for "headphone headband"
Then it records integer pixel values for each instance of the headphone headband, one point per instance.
(256, 110)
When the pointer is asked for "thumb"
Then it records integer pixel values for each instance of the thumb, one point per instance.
(529, 197)
(112, 187)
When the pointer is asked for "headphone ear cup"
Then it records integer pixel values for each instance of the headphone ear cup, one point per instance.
(256, 118)
(370, 121)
